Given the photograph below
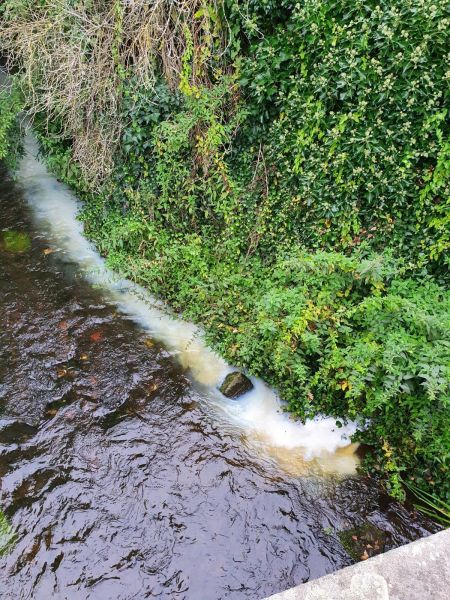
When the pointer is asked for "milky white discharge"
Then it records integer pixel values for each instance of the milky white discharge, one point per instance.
(318, 444)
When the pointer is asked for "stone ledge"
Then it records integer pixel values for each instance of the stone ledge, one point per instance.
(418, 571)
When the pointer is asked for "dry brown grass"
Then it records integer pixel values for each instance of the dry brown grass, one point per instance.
(73, 56)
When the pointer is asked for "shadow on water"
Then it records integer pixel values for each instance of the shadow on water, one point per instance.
(118, 482)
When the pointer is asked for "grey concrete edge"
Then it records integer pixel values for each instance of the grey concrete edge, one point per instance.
(417, 571)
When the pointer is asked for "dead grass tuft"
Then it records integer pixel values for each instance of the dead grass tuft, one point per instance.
(74, 55)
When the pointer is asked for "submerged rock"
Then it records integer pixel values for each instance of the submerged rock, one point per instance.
(235, 384)
(363, 541)
(13, 431)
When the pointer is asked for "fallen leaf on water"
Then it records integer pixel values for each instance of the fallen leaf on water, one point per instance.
(97, 336)
(48, 251)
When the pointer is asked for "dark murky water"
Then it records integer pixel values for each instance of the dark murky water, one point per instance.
(117, 481)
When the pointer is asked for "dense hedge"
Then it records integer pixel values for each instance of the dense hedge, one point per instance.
(293, 197)
(353, 101)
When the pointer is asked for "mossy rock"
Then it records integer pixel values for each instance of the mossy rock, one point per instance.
(13, 431)
(235, 384)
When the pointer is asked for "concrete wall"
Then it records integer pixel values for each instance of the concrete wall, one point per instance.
(417, 571)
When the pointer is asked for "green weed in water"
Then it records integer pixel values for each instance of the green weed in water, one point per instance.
(16, 241)
(364, 541)
(7, 535)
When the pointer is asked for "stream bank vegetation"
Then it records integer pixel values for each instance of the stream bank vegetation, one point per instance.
(278, 172)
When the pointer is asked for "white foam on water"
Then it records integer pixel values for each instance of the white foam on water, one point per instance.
(259, 413)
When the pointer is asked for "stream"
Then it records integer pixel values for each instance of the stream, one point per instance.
(124, 472)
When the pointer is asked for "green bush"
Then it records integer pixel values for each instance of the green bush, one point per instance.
(350, 103)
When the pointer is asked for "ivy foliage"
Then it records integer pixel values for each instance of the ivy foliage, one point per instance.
(350, 103)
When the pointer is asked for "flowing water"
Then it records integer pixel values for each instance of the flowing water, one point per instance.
(124, 473)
